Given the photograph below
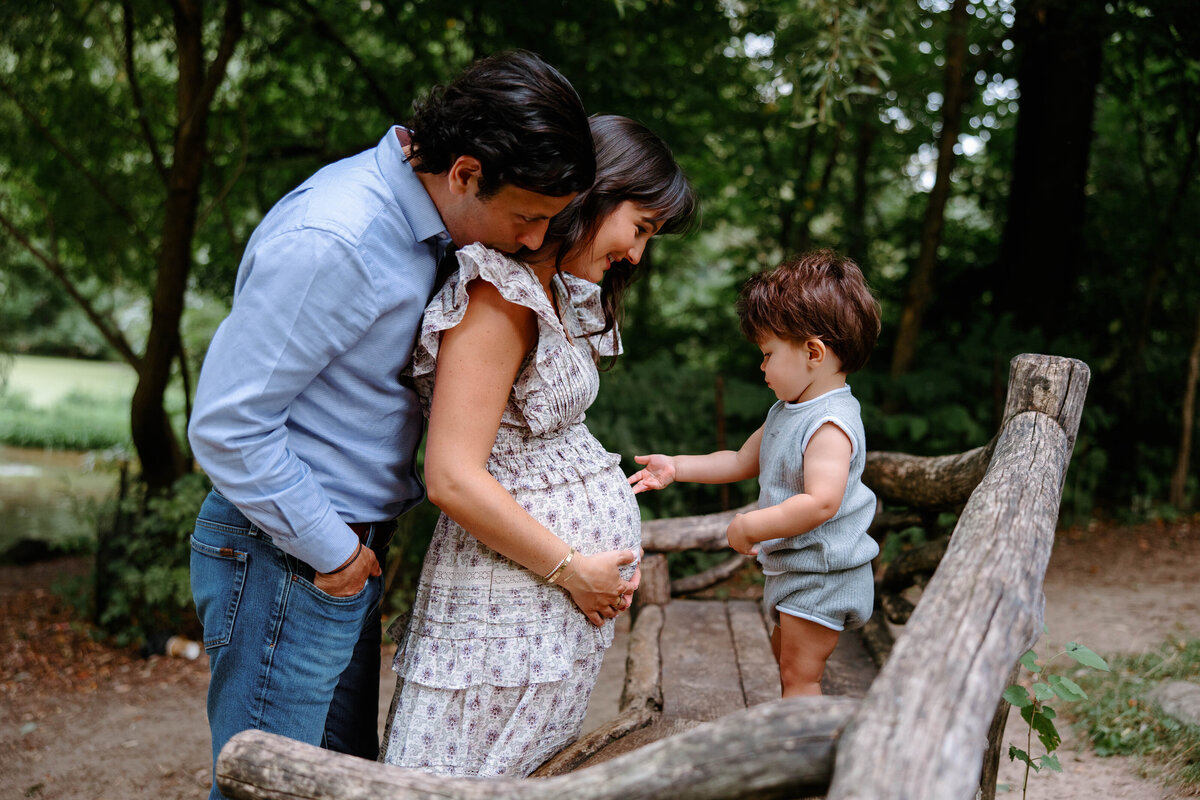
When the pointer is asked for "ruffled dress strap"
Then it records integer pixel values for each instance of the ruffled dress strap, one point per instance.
(587, 319)
(516, 283)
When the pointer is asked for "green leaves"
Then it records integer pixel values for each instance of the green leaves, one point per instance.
(1037, 714)
(1050, 762)
(1066, 689)
(1086, 657)
(1017, 696)
(1039, 720)
(1043, 692)
(1017, 754)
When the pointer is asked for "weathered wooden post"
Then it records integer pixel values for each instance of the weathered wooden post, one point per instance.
(922, 730)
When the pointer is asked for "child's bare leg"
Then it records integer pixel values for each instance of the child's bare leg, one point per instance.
(802, 647)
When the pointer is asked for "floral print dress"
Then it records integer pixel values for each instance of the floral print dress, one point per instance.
(496, 667)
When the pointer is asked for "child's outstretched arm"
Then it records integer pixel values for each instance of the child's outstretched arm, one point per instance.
(723, 466)
(826, 473)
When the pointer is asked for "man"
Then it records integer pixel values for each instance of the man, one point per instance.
(300, 418)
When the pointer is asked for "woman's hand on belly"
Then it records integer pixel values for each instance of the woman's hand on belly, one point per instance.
(597, 587)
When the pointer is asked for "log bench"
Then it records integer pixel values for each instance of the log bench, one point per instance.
(928, 726)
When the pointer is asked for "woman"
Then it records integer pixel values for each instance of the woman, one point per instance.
(511, 620)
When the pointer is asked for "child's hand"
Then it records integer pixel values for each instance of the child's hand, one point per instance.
(739, 533)
(658, 474)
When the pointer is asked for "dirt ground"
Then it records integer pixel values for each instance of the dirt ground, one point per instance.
(82, 721)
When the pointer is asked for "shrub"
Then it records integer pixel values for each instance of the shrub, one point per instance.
(142, 590)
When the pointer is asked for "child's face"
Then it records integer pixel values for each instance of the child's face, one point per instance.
(786, 367)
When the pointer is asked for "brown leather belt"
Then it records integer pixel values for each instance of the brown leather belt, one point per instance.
(363, 529)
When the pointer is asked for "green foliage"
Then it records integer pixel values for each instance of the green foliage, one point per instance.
(1036, 711)
(141, 576)
(75, 422)
(1120, 719)
(801, 124)
(896, 542)
(659, 405)
(406, 554)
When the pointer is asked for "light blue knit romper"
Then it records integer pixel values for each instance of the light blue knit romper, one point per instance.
(823, 575)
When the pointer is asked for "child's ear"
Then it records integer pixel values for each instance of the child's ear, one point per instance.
(816, 351)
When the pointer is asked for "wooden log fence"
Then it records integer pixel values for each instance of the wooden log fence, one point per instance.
(930, 725)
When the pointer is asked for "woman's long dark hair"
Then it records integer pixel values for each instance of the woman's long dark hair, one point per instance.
(634, 164)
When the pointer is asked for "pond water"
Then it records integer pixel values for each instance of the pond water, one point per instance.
(51, 495)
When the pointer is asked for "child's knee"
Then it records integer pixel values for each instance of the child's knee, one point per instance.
(801, 680)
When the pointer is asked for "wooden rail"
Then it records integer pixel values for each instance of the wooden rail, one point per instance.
(923, 729)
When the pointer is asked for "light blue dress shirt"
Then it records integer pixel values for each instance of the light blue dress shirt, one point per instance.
(300, 418)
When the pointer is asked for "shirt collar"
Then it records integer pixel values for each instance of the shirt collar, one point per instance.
(414, 202)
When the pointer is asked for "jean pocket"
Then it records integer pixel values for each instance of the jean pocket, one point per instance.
(350, 604)
(218, 578)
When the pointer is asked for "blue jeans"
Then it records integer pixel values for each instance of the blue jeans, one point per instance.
(284, 656)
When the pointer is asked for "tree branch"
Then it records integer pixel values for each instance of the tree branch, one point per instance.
(87, 174)
(111, 335)
(325, 30)
(135, 89)
(219, 200)
(231, 32)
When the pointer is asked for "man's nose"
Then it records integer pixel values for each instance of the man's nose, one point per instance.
(533, 235)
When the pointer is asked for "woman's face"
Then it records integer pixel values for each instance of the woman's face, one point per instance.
(621, 237)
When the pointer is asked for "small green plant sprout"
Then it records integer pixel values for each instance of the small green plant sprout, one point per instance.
(1035, 708)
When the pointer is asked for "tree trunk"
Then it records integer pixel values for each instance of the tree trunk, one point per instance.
(920, 283)
(1059, 42)
(1188, 414)
(867, 127)
(157, 445)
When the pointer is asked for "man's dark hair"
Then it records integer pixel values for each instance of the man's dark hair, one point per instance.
(819, 295)
(515, 113)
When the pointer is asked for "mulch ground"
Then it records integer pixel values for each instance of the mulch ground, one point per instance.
(50, 653)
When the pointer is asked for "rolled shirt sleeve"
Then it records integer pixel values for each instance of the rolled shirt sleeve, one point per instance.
(300, 417)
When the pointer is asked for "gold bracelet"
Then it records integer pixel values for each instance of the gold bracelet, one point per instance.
(552, 578)
(560, 565)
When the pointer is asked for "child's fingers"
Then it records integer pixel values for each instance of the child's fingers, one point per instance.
(642, 459)
(640, 481)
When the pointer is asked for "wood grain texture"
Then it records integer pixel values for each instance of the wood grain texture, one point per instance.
(922, 730)
(782, 749)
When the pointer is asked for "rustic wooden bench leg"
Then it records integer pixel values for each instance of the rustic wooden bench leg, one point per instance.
(995, 748)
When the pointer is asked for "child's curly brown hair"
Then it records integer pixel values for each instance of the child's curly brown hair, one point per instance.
(820, 294)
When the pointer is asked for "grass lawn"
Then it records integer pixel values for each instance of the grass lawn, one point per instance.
(44, 381)
(59, 418)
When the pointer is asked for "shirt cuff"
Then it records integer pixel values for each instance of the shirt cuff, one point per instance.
(325, 546)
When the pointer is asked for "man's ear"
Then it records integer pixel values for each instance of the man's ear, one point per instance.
(816, 351)
(463, 175)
